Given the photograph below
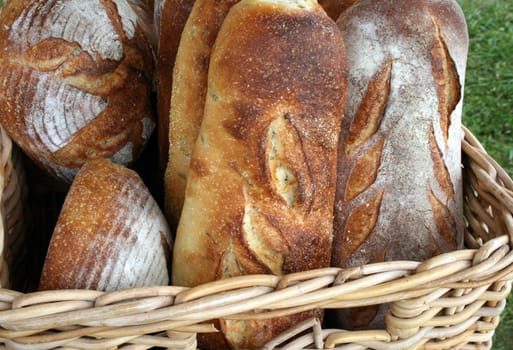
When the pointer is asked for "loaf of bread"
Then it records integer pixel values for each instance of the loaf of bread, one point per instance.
(75, 81)
(170, 18)
(110, 234)
(399, 193)
(188, 95)
(261, 184)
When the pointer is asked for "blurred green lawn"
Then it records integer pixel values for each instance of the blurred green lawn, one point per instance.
(488, 101)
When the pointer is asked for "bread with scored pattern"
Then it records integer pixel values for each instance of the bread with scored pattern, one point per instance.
(399, 193)
(110, 234)
(75, 81)
(261, 183)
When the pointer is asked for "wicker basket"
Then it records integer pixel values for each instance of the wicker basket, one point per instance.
(13, 194)
(452, 301)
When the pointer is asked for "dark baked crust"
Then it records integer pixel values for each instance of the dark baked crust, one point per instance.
(262, 178)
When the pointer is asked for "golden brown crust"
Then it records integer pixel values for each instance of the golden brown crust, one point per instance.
(446, 79)
(66, 97)
(364, 172)
(263, 169)
(189, 89)
(399, 192)
(173, 16)
(370, 112)
(358, 227)
(107, 230)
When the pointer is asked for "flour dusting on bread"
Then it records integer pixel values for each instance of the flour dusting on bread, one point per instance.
(84, 22)
(110, 234)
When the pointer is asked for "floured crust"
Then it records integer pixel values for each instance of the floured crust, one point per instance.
(262, 174)
(399, 193)
(110, 234)
(76, 79)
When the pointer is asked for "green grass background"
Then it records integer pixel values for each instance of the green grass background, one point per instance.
(488, 100)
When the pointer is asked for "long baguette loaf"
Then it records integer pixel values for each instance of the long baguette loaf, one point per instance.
(399, 193)
(189, 89)
(170, 18)
(262, 178)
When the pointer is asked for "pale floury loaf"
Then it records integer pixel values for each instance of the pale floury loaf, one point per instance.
(399, 193)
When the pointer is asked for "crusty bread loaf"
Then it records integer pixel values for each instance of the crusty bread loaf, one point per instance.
(262, 177)
(75, 81)
(188, 95)
(170, 19)
(110, 234)
(399, 193)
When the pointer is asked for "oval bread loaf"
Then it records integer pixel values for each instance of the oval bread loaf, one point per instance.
(399, 193)
(110, 234)
(262, 177)
(75, 81)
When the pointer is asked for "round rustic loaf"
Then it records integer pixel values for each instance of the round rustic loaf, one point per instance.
(75, 81)
(110, 234)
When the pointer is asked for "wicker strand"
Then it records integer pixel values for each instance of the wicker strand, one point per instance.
(96, 310)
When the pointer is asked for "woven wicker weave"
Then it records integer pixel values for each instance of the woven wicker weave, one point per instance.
(452, 301)
(13, 194)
